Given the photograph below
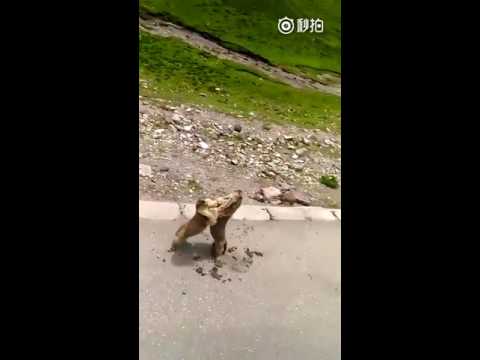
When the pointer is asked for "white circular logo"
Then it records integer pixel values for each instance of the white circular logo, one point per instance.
(285, 25)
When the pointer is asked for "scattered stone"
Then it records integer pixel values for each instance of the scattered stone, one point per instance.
(301, 151)
(284, 155)
(142, 109)
(177, 118)
(184, 293)
(297, 167)
(203, 145)
(199, 270)
(306, 141)
(158, 133)
(232, 249)
(293, 197)
(163, 260)
(270, 193)
(328, 142)
(145, 170)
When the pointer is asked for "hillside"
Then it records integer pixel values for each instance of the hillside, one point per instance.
(252, 25)
(176, 71)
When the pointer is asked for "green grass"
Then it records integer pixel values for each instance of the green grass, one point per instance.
(330, 181)
(252, 25)
(179, 72)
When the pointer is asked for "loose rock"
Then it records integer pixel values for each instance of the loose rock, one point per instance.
(270, 193)
(203, 145)
(293, 197)
(145, 170)
(158, 133)
(301, 151)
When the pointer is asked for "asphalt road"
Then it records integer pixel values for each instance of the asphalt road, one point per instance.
(282, 305)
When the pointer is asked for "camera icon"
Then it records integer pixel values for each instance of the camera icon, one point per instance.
(286, 25)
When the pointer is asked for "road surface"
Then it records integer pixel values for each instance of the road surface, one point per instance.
(284, 305)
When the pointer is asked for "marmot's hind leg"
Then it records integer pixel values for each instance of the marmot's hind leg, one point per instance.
(194, 227)
(219, 246)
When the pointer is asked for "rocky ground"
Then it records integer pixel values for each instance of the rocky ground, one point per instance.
(188, 152)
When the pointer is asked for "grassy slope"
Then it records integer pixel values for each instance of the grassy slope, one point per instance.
(252, 24)
(182, 73)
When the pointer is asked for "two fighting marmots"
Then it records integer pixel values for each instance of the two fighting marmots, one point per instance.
(214, 213)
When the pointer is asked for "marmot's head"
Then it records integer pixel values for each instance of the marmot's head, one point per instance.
(200, 203)
(206, 203)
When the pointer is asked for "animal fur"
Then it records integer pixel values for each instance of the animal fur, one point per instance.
(214, 213)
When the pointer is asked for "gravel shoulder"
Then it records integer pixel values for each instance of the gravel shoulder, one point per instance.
(187, 152)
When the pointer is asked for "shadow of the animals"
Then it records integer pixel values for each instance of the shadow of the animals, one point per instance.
(188, 253)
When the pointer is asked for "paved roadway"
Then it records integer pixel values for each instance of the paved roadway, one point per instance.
(285, 305)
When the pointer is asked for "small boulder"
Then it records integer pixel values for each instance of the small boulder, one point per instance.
(271, 193)
(301, 151)
(145, 170)
(293, 197)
